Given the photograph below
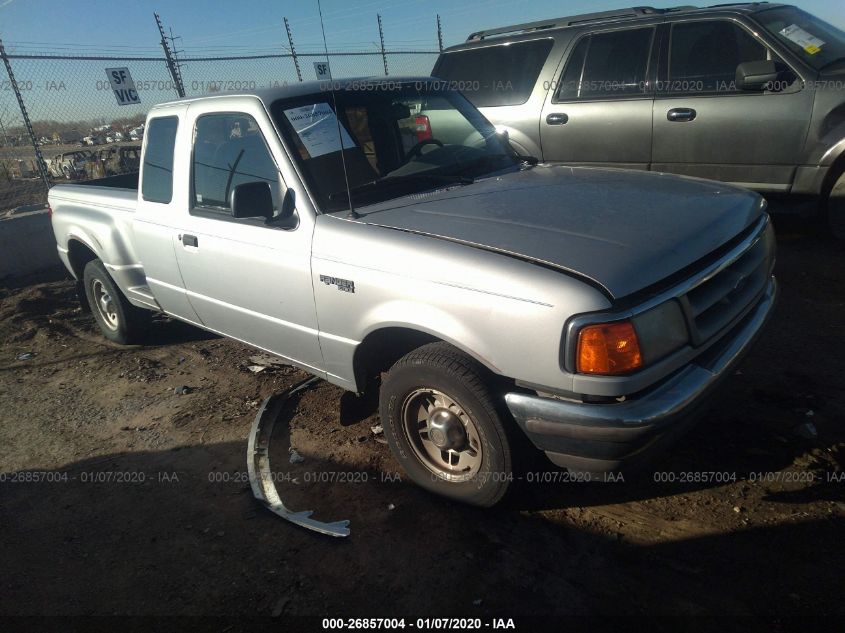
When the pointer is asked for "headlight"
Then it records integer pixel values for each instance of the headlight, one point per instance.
(662, 330)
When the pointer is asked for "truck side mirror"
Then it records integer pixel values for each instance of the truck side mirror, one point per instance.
(252, 200)
(757, 75)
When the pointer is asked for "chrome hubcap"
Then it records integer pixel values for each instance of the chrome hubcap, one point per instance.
(104, 304)
(443, 437)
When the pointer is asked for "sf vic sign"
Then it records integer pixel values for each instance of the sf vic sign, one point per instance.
(123, 86)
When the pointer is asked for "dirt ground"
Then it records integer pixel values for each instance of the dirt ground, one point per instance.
(120, 496)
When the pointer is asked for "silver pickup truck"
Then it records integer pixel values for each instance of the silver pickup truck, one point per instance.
(383, 235)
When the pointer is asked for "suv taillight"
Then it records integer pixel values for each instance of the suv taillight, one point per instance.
(422, 126)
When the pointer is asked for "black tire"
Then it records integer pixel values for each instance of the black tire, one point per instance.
(834, 206)
(120, 322)
(441, 369)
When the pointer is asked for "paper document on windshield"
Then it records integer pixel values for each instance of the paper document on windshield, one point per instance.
(317, 127)
(805, 40)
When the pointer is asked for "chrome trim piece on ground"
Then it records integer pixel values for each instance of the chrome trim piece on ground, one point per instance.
(258, 465)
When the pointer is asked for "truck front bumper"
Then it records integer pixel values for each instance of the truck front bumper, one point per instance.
(602, 438)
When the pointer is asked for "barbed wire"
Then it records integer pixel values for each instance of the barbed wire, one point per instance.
(83, 133)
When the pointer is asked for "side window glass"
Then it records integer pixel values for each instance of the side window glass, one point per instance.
(496, 75)
(616, 64)
(229, 150)
(157, 181)
(570, 81)
(703, 56)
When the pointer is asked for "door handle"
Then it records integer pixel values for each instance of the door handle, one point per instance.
(190, 240)
(681, 114)
(557, 118)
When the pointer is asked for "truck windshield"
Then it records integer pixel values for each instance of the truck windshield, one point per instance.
(819, 44)
(396, 139)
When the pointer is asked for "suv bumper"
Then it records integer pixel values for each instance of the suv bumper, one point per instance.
(601, 438)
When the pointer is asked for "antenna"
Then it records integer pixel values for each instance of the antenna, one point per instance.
(352, 213)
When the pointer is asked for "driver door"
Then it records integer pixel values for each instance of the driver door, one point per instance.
(704, 126)
(245, 278)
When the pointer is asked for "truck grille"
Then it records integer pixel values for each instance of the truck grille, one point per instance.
(717, 301)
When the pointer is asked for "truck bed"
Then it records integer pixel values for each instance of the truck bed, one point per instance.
(119, 192)
(121, 181)
(97, 216)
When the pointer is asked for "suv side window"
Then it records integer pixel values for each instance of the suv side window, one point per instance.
(607, 65)
(498, 75)
(157, 183)
(229, 150)
(703, 56)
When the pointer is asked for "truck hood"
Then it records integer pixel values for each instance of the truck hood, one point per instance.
(624, 230)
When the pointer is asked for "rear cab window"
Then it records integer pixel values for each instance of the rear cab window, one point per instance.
(497, 75)
(157, 178)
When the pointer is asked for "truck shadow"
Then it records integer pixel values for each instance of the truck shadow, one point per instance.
(177, 532)
(165, 330)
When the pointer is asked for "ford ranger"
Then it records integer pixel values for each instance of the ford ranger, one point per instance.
(384, 235)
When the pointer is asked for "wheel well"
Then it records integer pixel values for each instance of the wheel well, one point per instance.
(79, 255)
(381, 348)
(836, 169)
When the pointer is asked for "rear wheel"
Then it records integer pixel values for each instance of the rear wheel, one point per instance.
(443, 426)
(118, 319)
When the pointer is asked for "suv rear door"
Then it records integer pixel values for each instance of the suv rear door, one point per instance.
(704, 126)
(599, 109)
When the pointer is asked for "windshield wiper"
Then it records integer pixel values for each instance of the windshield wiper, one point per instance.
(487, 159)
(389, 181)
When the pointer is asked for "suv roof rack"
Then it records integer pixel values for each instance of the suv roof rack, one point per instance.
(556, 23)
(736, 4)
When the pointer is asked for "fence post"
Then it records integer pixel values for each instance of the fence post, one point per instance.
(293, 50)
(171, 63)
(439, 34)
(39, 158)
(381, 37)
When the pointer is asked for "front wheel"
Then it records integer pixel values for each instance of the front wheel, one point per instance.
(443, 426)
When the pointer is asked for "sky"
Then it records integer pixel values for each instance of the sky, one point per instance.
(256, 25)
(77, 90)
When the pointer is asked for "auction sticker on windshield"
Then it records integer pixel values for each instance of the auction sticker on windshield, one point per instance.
(805, 40)
(317, 127)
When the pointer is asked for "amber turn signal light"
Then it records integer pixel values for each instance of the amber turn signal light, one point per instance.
(608, 349)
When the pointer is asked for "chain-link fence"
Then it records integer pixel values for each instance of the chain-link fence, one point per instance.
(82, 132)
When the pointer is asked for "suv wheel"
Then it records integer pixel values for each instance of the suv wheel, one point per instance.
(443, 426)
(118, 319)
(836, 209)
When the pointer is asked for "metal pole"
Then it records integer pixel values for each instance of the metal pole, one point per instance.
(439, 34)
(39, 158)
(293, 51)
(381, 37)
(171, 63)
